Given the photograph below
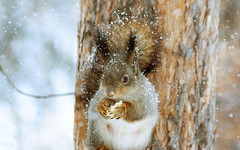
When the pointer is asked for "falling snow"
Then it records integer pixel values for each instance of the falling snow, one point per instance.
(38, 51)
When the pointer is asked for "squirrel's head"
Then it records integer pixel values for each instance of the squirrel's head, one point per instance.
(121, 70)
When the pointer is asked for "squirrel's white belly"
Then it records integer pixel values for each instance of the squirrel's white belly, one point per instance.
(122, 135)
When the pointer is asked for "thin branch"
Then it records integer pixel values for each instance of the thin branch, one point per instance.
(31, 95)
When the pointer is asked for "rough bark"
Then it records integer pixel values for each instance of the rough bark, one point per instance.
(185, 79)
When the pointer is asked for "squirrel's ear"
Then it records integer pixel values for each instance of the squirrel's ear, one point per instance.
(131, 48)
(101, 43)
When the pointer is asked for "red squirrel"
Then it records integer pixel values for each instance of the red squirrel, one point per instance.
(124, 110)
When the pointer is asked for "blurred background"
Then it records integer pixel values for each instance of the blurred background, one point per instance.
(228, 82)
(38, 51)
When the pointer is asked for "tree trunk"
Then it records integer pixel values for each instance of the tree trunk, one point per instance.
(185, 78)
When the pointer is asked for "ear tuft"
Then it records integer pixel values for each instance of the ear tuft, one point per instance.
(132, 43)
(131, 48)
(102, 44)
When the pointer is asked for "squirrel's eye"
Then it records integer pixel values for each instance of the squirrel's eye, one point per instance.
(125, 79)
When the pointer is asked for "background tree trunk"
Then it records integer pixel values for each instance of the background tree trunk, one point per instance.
(185, 79)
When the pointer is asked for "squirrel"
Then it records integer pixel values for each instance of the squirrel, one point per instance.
(124, 110)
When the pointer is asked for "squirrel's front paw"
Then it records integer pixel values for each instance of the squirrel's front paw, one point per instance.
(101, 148)
(119, 110)
(104, 107)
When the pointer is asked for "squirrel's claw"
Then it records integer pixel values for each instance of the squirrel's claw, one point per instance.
(104, 106)
(119, 111)
(110, 109)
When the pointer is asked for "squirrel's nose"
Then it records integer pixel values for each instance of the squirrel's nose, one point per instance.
(110, 93)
